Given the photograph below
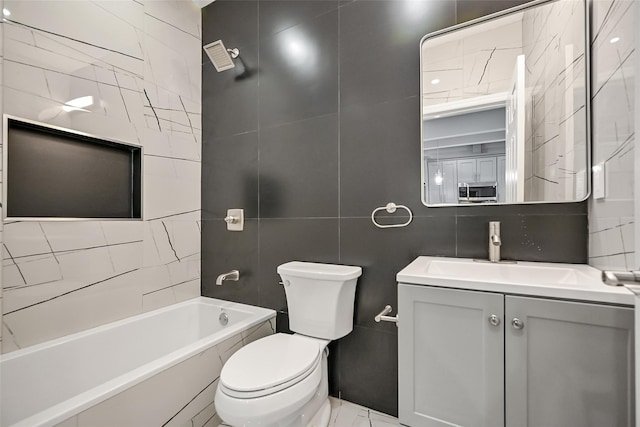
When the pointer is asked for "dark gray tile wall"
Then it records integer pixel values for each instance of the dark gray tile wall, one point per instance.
(316, 129)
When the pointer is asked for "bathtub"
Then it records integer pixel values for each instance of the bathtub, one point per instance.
(154, 369)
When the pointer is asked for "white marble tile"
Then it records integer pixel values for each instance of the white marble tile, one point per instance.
(11, 276)
(184, 237)
(25, 238)
(159, 248)
(163, 399)
(172, 55)
(154, 278)
(122, 231)
(611, 237)
(104, 55)
(203, 417)
(99, 26)
(182, 14)
(84, 308)
(185, 270)
(171, 186)
(347, 414)
(39, 269)
(229, 346)
(74, 235)
(126, 256)
(74, 265)
(171, 294)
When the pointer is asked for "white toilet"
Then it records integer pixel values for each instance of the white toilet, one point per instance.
(281, 380)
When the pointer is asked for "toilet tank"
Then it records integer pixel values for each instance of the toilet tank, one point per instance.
(320, 297)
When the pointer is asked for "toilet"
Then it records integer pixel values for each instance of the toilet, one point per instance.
(281, 380)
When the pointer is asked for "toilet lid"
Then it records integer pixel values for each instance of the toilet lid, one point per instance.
(269, 362)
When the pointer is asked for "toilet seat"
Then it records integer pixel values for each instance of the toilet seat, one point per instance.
(269, 365)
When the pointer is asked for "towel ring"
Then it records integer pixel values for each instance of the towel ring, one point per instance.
(391, 208)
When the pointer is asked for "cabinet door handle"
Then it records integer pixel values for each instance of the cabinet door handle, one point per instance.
(517, 323)
(494, 320)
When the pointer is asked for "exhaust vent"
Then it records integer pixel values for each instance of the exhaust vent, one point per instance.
(221, 57)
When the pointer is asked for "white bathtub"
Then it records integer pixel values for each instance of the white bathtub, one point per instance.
(143, 370)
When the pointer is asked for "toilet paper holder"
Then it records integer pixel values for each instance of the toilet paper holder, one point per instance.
(382, 316)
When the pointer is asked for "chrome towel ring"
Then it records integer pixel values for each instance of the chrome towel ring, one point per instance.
(391, 208)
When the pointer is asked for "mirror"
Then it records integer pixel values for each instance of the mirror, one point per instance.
(504, 108)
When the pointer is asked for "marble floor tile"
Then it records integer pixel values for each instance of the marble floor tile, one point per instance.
(347, 414)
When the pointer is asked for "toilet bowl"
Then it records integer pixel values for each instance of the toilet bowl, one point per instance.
(282, 380)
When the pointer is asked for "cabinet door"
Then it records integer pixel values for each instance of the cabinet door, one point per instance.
(467, 170)
(571, 364)
(486, 167)
(450, 357)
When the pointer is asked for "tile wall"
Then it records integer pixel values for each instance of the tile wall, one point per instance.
(611, 218)
(316, 127)
(140, 60)
(555, 81)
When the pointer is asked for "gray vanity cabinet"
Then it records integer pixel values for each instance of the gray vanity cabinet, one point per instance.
(450, 361)
(537, 363)
(571, 364)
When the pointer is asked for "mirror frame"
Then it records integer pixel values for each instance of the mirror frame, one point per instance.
(587, 84)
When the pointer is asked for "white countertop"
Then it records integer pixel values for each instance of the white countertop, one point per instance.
(566, 281)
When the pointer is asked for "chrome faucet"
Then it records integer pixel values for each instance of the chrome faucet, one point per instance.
(494, 241)
(232, 275)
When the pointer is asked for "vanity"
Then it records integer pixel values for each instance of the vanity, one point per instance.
(521, 344)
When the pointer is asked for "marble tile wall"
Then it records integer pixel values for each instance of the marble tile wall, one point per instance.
(141, 63)
(480, 64)
(614, 48)
(554, 78)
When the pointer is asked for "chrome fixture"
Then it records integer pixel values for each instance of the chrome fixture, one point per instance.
(517, 323)
(232, 275)
(223, 318)
(235, 219)
(494, 320)
(221, 57)
(391, 208)
(382, 316)
(621, 278)
(494, 241)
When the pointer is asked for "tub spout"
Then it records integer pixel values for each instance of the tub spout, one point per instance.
(232, 275)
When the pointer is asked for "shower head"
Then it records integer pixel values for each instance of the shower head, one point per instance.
(221, 57)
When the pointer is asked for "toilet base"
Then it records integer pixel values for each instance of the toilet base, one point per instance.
(321, 419)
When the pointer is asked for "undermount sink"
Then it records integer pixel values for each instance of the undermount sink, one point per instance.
(506, 273)
(572, 281)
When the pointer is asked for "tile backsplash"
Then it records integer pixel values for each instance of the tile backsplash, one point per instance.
(140, 61)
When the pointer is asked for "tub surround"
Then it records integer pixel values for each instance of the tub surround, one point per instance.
(140, 60)
(309, 143)
(168, 378)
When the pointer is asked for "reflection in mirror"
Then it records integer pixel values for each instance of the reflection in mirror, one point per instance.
(504, 108)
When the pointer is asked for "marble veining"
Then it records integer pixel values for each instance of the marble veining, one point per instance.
(347, 414)
(611, 219)
(141, 63)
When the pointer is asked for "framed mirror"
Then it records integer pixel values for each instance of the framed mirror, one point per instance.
(505, 112)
